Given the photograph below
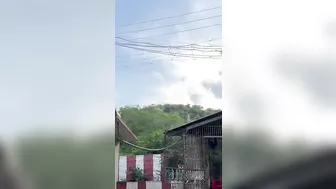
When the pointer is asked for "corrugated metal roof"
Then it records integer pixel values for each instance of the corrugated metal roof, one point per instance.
(199, 122)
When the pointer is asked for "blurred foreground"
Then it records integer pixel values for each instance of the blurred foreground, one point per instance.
(64, 162)
(315, 171)
(70, 163)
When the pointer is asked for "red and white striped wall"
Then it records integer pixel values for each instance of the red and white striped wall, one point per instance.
(150, 164)
(149, 185)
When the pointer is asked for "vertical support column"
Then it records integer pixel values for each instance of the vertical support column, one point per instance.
(164, 163)
(206, 163)
(117, 134)
(184, 160)
(117, 148)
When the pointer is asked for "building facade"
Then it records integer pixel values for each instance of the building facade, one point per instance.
(122, 133)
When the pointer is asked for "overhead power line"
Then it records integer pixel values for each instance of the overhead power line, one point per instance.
(169, 47)
(180, 44)
(169, 25)
(149, 44)
(150, 149)
(181, 31)
(174, 54)
(155, 48)
(169, 17)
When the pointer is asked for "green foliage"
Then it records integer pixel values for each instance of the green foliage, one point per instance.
(138, 175)
(143, 119)
(149, 122)
(187, 112)
(154, 139)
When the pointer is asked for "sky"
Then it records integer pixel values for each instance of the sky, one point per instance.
(146, 78)
(57, 69)
(277, 72)
(57, 64)
(279, 68)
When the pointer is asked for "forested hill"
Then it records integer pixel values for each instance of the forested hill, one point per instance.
(149, 122)
(187, 112)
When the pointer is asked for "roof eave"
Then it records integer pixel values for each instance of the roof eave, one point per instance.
(202, 121)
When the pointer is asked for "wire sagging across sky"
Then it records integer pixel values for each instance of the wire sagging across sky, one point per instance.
(204, 52)
(170, 17)
(169, 25)
(130, 40)
(141, 55)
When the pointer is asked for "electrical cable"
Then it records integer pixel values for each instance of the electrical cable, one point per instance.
(191, 46)
(151, 62)
(183, 47)
(149, 149)
(174, 54)
(181, 31)
(170, 25)
(199, 49)
(169, 17)
(186, 44)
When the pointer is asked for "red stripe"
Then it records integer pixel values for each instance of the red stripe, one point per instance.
(141, 185)
(118, 169)
(163, 175)
(121, 185)
(131, 163)
(148, 167)
(166, 185)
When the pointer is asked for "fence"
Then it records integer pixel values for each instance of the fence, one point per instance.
(150, 185)
(150, 164)
(152, 169)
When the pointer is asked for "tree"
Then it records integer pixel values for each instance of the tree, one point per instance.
(149, 122)
(152, 140)
(141, 120)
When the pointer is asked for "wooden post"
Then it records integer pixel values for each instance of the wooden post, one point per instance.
(184, 160)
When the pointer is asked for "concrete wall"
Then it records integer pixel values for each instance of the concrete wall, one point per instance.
(116, 162)
(149, 163)
(150, 185)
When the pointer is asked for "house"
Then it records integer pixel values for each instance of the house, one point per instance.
(315, 172)
(199, 138)
(122, 132)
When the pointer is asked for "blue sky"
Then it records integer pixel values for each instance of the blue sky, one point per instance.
(140, 79)
(56, 62)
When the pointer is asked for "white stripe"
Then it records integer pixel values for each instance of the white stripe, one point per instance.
(139, 163)
(132, 185)
(157, 167)
(153, 185)
(176, 185)
(122, 168)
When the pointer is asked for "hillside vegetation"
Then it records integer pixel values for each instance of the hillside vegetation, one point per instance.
(149, 122)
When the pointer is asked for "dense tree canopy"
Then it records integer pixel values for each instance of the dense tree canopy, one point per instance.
(150, 122)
